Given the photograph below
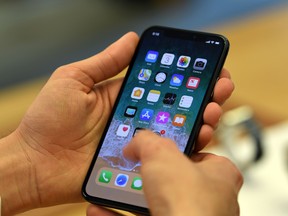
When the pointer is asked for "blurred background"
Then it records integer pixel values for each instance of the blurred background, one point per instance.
(38, 36)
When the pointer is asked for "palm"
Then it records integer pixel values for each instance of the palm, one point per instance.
(65, 124)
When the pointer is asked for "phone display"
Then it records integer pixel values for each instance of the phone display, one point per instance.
(166, 89)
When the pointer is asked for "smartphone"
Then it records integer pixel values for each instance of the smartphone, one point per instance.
(167, 86)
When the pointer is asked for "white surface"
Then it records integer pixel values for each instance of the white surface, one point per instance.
(265, 188)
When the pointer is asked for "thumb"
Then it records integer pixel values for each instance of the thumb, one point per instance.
(104, 65)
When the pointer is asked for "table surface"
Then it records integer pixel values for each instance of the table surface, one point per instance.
(257, 61)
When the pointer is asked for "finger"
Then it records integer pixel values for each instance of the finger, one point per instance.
(225, 74)
(204, 137)
(201, 156)
(223, 88)
(146, 145)
(93, 210)
(212, 114)
(111, 61)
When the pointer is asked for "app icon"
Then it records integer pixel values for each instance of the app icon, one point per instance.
(123, 130)
(179, 120)
(136, 183)
(160, 133)
(169, 98)
(185, 101)
(137, 93)
(200, 64)
(153, 95)
(160, 77)
(130, 111)
(105, 176)
(137, 130)
(151, 56)
(146, 114)
(193, 82)
(176, 80)
(162, 117)
(121, 180)
(144, 74)
(167, 59)
(183, 61)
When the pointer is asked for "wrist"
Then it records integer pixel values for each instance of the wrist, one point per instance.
(17, 182)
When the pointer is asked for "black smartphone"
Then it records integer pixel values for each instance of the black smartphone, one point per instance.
(168, 84)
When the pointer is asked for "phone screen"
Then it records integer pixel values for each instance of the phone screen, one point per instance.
(167, 86)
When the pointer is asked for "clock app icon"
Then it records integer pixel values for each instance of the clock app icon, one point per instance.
(160, 77)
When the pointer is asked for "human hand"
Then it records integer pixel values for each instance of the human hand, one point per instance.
(207, 185)
(60, 132)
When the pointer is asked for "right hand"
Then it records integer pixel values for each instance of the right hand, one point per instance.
(175, 185)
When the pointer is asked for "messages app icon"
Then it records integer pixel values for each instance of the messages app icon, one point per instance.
(137, 183)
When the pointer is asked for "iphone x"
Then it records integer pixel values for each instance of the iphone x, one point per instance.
(167, 86)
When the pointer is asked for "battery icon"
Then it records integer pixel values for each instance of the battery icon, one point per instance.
(217, 42)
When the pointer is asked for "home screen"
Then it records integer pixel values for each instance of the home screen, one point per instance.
(163, 92)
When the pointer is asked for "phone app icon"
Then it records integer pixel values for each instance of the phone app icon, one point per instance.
(186, 101)
(183, 61)
(160, 77)
(137, 93)
(200, 64)
(121, 180)
(169, 98)
(144, 74)
(193, 82)
(167, 59)
(123, 130)
(179, 120)
(153, 95)
(146, 114)
(137, 183)
(162, 117)
(105, 176)
(130, 111)
(151, 56)
(176, 80)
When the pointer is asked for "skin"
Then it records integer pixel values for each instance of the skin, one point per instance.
(207, 185)
(44, 161)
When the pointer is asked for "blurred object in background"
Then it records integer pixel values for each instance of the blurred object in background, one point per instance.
(240, 136)
(36, 36)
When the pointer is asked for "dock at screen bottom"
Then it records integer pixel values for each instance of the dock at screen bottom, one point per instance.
(113, 178)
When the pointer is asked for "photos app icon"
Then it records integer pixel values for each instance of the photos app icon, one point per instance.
(183, 61)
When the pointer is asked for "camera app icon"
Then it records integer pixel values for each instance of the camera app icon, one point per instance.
(200, 64)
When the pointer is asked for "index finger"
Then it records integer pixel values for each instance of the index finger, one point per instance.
(223, 88)
(146, 145)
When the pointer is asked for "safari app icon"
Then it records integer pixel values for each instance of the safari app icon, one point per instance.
(121, 180)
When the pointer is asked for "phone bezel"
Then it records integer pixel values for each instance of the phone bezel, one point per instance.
(179, 33)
